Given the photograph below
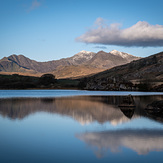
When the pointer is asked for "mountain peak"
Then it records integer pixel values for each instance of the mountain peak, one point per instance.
(101, 51)
(82, 56)
(115, 51)
(16, 56)
(122, 54)
(84, 51)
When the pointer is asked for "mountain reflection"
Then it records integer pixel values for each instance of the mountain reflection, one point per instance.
(141, 141)
(84, 109)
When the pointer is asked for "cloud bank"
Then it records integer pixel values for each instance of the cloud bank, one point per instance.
(142, 34)
(100, 47)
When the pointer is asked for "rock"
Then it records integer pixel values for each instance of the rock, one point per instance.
(156, 105)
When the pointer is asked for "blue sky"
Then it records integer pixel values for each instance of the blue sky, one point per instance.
(52, 29)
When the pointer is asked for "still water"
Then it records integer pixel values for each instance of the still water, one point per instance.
(47, 127)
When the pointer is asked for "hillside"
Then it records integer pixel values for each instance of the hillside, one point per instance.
(81, 64)
(75, 71)
(145, 70)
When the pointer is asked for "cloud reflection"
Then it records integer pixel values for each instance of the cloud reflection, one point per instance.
(140, 141)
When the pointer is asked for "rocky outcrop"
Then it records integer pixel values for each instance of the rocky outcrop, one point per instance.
(155, 106)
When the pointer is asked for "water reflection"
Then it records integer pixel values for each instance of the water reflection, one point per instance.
(127, 106)
(141, 141)
(154, 110)
(83, 109)
(55, 134)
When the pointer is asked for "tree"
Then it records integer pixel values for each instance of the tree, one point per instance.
(47, 79)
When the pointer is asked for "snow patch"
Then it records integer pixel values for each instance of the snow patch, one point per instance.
(122, 54)
(83, 55)
(85, 52)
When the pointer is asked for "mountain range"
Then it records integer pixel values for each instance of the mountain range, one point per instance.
(81, 64)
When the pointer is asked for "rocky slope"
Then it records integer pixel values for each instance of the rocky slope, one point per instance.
(148, 69)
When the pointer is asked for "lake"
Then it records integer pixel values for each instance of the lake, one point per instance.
(79, 126)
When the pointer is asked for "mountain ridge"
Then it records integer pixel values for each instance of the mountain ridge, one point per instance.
(93, 63)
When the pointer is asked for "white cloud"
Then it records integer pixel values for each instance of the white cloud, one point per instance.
(141, 34)
(99, 21)
(35, 4)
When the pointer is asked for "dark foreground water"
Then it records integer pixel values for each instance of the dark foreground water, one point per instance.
(79, 129)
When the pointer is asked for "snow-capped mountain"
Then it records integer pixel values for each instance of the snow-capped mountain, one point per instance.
(108, 60)
(82, 57)
(123, 55)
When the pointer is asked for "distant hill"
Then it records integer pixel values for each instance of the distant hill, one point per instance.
(82, 63)
(149, 69)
